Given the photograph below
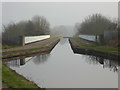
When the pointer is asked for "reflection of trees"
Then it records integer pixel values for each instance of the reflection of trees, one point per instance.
(41, 59)
(113, 65)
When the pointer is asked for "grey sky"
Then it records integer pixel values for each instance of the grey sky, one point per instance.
(57, 13)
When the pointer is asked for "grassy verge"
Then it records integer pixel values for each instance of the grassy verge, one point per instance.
(23, 50)
(93, 46)
(15, 46)
(8, 47)
(13, 80)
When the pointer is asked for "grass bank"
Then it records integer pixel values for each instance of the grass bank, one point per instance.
(13, 80)
(8, 47)
(10, 77)
(79, 43)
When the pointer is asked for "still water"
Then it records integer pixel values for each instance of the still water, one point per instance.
(64, 69)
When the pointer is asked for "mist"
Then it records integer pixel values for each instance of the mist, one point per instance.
(58, 14)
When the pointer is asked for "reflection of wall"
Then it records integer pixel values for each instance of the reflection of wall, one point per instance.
(22, 61)
(16, 63)
(36, 59)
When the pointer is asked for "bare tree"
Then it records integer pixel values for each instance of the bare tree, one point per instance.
(37, 26)
(42, 26)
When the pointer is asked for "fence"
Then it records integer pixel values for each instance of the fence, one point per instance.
(110, 35)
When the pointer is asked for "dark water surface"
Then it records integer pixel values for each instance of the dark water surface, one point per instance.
(64, 69)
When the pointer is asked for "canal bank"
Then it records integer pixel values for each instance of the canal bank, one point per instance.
(13, 80)
(82, 46)
(62, 68)
(41, 47)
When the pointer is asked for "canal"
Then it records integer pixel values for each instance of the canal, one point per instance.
(64, 69)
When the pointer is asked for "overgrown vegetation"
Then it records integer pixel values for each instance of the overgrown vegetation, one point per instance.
(96, 25)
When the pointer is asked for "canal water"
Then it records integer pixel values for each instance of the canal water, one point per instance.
(64, 69)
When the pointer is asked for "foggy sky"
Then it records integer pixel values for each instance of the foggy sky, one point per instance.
(57, 13)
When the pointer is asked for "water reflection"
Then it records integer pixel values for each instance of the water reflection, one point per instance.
(64, 69)
(15, 63)
(41, 59)
(106, 63)
(62, 41)
(20, 62)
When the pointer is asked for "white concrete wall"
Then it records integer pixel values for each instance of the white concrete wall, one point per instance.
(88, 37)
(30, 39)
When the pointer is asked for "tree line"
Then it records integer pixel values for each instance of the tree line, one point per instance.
(38, 25)
(95, 25)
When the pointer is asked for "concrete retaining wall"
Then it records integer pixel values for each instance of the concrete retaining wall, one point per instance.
(22, 40)
(87, 37)
(30, 39)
